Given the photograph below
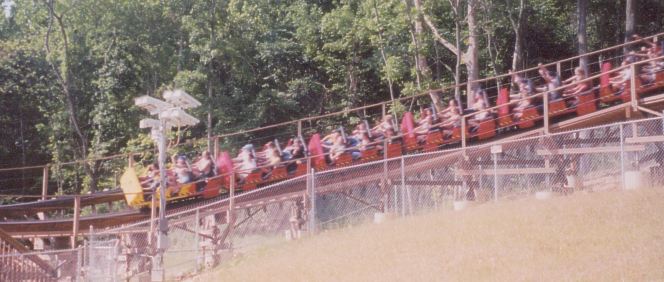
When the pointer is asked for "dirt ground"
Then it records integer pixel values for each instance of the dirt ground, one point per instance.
(601, 236)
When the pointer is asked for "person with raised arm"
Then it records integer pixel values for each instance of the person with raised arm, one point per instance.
(479, 107)
(182, 173)
(649, 70)
(270, 155)
(451, 118)
(552, 82)
(385, 125)
(576, 85)
(328, 140)
(294, 151)
(651, 45)
(423, 124)
(360, 129)
(445, 113)
(182, 170)
(620, 79)
(204, 166)
(337, 148)
(524, 103)
(245, 162)
(151, 176)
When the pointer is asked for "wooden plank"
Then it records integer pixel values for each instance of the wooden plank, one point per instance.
(436, 182)
(592, 150)
(13, 243)
(645, 139)
(507, 171)
(75, 224)
(489, 162)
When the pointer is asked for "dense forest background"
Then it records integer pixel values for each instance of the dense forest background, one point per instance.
(70, 69)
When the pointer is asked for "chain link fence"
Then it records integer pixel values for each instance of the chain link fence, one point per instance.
(206, 234)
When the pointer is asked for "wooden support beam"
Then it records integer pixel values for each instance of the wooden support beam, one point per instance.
(250, 215)
(184, 228)
(349, 196)
(299, 128)
(77, 216)
(583, 141)
(506, 171)
(45, 183)
(436, 182)
(645, 139)
(632, 88)
(646, 110)
(488, 162)
(595, 150)
(11, 243)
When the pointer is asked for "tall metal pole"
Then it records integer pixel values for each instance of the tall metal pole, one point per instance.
(158, 273)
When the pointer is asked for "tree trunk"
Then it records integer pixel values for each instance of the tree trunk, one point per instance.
(382, 49)
(630, 6)
(64, 78)
(425, 70)
(581, 10)
(517, 27)
(472, 58)
(517, 58)
(210, 76)
(457, 63)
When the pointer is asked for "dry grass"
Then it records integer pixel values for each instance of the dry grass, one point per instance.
(613, 235)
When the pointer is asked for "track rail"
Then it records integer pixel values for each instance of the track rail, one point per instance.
(60, 203)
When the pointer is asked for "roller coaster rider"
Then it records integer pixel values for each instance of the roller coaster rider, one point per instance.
(552, 82)
(294, 151)
(575, 87)
(245, 162)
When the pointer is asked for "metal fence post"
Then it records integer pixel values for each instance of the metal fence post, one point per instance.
(231, 212)
(79, 263)
(403, 187)
(196, 240)
(622, 154)
(545, 112)
(312, 195)
(547, 177)
(463, 131)
(495, 176)
(395, 204)
(662, 122)
(632, 88)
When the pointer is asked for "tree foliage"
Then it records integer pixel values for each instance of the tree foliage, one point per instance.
(251, 63)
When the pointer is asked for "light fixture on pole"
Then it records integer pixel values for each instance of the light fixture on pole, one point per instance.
(170, 114)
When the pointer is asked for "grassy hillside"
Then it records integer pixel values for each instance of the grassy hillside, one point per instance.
(615, 235)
